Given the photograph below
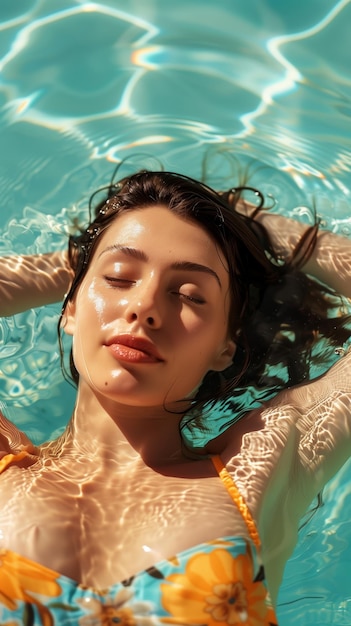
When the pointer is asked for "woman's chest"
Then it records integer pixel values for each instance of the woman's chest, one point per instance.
(99, 531)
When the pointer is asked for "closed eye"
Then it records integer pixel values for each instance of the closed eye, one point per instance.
(193, 299)
(119, 282)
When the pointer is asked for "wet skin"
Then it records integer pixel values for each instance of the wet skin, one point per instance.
(116, 493)
(155, 278)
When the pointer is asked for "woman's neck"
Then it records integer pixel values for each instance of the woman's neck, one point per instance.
(105, 430)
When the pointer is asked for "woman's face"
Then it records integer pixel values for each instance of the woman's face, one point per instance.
(150, 317)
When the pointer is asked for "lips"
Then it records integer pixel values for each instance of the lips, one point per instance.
(133, 349)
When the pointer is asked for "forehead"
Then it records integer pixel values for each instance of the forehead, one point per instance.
(159, 231)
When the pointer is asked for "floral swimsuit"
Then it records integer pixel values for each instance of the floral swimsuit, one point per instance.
(216, 583)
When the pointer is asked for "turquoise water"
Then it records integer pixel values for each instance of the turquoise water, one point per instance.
(85, 84)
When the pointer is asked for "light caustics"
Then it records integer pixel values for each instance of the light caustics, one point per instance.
(19, 107)
(292, 75)
(22, 107)
(288, 83)
(23, 38)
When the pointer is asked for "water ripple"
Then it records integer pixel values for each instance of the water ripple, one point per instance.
(172, 81)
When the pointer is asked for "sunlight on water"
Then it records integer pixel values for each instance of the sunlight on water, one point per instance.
(85, 84)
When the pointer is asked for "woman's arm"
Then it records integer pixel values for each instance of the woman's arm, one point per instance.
(330, 261)
(30, 281)
(322, 416)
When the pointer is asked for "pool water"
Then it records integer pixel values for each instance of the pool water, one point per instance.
(84, 85)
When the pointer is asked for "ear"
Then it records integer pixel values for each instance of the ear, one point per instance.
(224, 357)
(68, 322)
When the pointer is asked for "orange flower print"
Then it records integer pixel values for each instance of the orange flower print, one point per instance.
(116, 611)
(217, 589)
(21, 578)
(227, 602)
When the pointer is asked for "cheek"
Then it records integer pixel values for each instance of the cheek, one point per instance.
(96, 300)
(91, 304)
(212, 323)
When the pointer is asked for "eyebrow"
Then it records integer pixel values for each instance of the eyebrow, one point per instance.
(139, 255)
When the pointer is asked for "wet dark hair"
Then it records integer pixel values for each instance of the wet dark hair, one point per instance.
(277, 313)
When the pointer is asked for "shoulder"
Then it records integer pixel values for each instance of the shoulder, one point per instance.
(13, 440)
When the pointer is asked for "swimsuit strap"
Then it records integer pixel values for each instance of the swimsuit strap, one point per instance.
(237, 498)
(10, 459)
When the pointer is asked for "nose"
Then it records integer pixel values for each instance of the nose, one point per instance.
(144, 306)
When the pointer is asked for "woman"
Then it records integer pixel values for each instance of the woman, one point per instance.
(176, 301)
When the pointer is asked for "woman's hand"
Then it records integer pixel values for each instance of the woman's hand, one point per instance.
(330, 261)
(30, 281)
